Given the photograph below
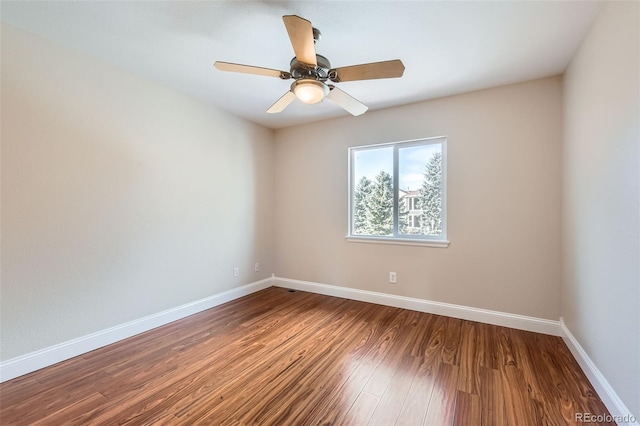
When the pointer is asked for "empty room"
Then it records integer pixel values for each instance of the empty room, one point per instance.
(320, 213)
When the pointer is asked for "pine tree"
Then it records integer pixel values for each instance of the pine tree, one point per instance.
(380, 212)
(361, 207)
(431, 196)
(403, 215)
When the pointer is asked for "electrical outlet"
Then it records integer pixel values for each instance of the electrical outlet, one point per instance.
(392, 277)
(256, 267)
(236, 271)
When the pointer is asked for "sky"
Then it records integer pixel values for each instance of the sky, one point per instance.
(412, 160)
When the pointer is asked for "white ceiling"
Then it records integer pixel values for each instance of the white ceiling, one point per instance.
(447, 47)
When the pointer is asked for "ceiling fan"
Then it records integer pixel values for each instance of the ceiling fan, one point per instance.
(311, 71)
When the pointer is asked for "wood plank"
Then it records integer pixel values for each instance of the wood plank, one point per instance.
(487, 345)
(362, 410)
(469, 358)
(492, 397)
(50, 400)
(414, 409)
(432, 349)
(518, 406)
(443, 397)
(394, 397)
(452, 340)
(13, 392)
(69, 411)
(506, 356)
(387, 368)
(468, 410)
(524, 362)
(425, 324)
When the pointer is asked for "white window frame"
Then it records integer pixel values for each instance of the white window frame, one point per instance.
(412, 240)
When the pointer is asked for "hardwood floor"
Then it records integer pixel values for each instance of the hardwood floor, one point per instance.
(278, 357)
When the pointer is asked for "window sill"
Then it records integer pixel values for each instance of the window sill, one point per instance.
(399, 241)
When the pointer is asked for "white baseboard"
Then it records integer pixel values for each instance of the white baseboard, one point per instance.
(609, 397)
(520, 322)
(33, 361)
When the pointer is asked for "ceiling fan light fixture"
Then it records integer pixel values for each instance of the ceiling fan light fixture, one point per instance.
(309, 91)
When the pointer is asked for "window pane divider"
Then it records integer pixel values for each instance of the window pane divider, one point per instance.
(396, 191)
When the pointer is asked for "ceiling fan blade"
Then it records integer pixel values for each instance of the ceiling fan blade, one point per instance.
(282, 103)
(301, 36)
(385, 69)
(347, 102)
(250, 69)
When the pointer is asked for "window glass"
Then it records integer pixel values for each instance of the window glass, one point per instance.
(373, 193)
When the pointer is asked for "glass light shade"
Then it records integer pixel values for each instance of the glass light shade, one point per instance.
(309, 91)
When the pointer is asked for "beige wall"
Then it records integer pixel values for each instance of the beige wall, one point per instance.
(601, 290)
(120, 198)
(504, 198)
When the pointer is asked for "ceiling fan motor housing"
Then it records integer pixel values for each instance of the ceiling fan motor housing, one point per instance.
(301, 70)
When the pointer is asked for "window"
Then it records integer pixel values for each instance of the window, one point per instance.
(412, 201)
(397, 192)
